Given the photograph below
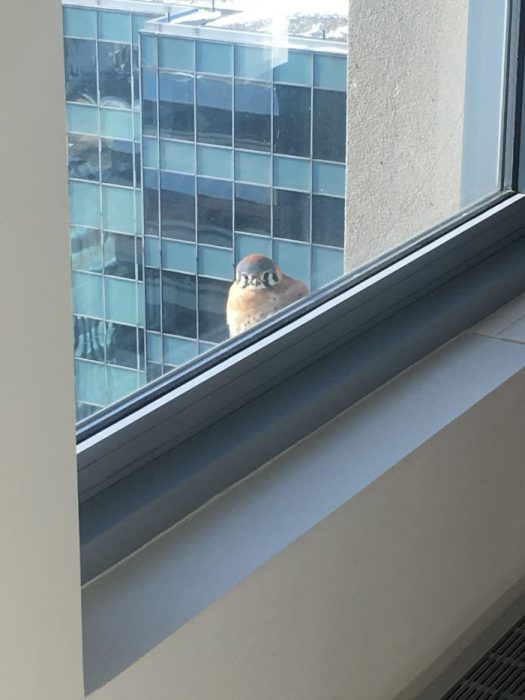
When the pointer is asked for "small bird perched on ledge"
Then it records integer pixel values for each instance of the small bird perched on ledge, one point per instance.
(258, 291)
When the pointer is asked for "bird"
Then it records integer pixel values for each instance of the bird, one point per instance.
(259, 289)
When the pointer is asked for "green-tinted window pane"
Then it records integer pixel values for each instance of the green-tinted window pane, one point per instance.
(150, 153)
(215, 162)
(116, 123)
(121, 300)
(80, 23)
(86, 249)
(296, 68)
(149, 50)
(246, 245)
(137, 22)
(178, 156)
(179, 256)
(253, 62)
(88, 299)
(84, 204)
(151, 251)
(253, 167)
(215, 262)
(292, 173)
(121, 382)
(177, 351)
(177, 53)
(154, 347)
(293, 259)
(329, 179)
(327, 265)
(330, 72)
(117, 209)
(90, 380)
(214, 57)
(82, 119)
(114, 26)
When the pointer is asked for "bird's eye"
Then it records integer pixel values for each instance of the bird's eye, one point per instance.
(269, 279)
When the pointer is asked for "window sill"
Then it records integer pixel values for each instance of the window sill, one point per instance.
(142, 601)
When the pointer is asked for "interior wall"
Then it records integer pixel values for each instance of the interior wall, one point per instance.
(40, 648)
(372, 597)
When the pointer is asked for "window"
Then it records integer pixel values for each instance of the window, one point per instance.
(196, 141)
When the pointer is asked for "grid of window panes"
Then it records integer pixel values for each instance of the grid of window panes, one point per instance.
(243, 151)
(104, 158)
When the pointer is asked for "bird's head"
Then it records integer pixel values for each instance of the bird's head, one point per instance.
(256, 271)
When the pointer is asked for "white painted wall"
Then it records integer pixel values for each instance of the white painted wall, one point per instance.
(40, 650)
(406, 86)
(377, 597)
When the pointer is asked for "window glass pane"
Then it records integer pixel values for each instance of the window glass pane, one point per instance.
(119, 255)
(176, 106)
(177, 155)
(328, 220)
(253, 211)
(291, 120)
(214, 57)
(86, 249)
(253, 124)
(295, 68)
(150, 187)
(177, 206)
(81, 70)
(117, 161)
(115, 26)
(211, 136)
(122, 345)
(176, 53)
(212, 302)
(80, 23)
(214, 110)
(149, 102)
(179, 310)
(215, 212)
(215, 162)
(114, 69)
(83, 157)
(291, 215)
(329, 108)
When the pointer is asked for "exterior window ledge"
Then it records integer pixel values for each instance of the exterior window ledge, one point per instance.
(143, 600)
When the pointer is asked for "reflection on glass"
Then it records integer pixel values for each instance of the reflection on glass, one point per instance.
(83, 157)
(214, 111)
(150, 199)
(114, 70)
(81, 71)
(119, 255)
(253, 124)
(117, 162)
(86, 252)
(291, 120)
(122, 342)
(176, 106)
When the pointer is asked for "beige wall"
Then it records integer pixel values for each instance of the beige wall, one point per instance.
(40, 655)
(369, 599)
(406, 82)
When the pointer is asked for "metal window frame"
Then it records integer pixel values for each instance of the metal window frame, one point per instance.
(152, 459)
